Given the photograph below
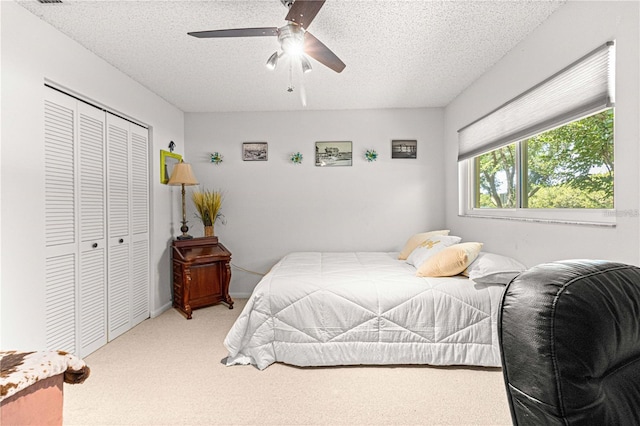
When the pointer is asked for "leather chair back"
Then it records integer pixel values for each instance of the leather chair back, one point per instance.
(570, 343)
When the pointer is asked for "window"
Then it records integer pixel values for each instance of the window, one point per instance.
(546, 155)
(570, 167)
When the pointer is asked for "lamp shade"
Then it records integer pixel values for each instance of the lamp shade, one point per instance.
(182, 175)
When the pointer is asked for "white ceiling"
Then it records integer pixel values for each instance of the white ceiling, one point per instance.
(399, 54)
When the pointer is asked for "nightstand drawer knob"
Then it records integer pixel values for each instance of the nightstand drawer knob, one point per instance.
(94, 245)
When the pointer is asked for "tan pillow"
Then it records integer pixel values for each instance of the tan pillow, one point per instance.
(418, 239)
(450, 261)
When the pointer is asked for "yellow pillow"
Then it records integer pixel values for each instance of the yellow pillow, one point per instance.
(450, 261)
(418, 239)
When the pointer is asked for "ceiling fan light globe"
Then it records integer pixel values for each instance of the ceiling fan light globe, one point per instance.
(272, 61)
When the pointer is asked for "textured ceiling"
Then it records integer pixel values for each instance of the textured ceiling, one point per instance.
(399, 54)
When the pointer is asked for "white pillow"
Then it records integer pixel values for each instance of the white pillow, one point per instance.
(429, 247)
(491, 268)
(416, 240)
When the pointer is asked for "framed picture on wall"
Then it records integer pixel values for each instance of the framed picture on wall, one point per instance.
(404, 148)
(331, 154)
(255, 151)
(167, 161)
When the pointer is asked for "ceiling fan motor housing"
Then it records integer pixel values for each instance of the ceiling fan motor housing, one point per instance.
(287, 3)
(291, 38)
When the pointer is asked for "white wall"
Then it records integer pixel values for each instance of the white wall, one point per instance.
(572, 31)
(275, 207)
(33, 51)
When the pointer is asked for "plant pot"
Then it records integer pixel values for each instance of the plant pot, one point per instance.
(208, 231)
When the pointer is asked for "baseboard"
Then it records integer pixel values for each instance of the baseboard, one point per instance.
(161, 310)
(239, 295)
(167, 306)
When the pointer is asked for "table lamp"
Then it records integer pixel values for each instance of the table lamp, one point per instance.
(183, 175)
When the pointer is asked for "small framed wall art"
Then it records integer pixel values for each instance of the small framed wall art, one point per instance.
(331, 154)
(255, 151)
(167, 161)
(404, 148)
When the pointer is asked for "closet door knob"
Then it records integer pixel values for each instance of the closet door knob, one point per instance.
(94, 245)
(121, 241)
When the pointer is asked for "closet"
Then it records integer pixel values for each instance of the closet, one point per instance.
(96, 196)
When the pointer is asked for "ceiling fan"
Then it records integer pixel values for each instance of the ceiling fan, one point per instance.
(294, 39)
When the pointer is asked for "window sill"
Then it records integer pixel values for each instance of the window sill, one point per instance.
(597, 218)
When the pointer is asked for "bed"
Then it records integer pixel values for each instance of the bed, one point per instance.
(328, 309)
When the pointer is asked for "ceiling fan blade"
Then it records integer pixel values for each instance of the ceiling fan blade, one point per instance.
(302, 12)
(238, 32)
(321, 53)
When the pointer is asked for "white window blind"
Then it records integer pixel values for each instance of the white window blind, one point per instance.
(584, 87)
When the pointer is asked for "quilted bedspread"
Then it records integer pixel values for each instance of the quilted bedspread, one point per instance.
(318, 309)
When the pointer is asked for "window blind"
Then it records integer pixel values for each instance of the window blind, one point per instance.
(583, 88)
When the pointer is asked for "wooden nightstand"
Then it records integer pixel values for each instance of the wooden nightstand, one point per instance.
(201, 274)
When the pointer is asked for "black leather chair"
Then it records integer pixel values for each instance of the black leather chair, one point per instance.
(570, 343)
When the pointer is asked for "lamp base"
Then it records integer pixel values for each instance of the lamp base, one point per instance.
(184, 228)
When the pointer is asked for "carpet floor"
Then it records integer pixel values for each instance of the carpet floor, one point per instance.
(167, 371)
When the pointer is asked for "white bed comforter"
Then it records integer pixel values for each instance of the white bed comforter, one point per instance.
(315, 309)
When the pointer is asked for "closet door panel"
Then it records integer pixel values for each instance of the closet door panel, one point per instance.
(140, 222)
(119, 288)
(92, 290)
(61, 263)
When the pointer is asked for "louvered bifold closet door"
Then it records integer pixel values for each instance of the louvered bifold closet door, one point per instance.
(96, 224)
(118, 225)
(75, 234)
(61, 262)
(92, 294)
(140, 223)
